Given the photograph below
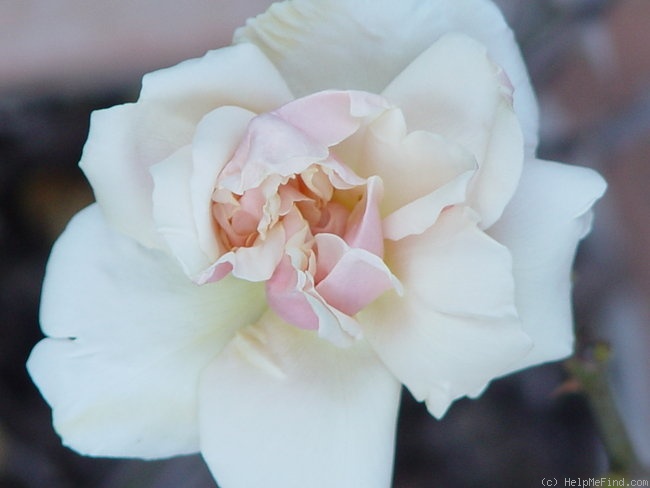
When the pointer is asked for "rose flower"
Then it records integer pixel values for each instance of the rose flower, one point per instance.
(288, 229)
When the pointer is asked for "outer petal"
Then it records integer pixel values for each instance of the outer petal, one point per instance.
(542, 225)
(455, 328)
(129, 338)
(453, 89)
(281, 407)
(124, 141)
(321, 44)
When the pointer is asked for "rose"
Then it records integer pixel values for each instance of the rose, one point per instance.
(287, 211)
(289, 228)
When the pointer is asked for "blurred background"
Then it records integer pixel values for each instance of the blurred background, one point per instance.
(590, 63)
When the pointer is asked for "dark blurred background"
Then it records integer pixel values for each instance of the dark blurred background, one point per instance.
(590, 63)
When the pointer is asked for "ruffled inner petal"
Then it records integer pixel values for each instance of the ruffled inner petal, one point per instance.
(286, 296)
(350, 278)
(364, 227)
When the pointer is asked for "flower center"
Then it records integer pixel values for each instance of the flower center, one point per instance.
(287, 212)
(309, 199)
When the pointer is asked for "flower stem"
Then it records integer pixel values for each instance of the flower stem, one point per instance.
(591, 371)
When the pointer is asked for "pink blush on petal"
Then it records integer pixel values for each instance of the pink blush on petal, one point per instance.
(291, 214)
(287, 300)
(350, 278)
(354, 283)
(365, 226)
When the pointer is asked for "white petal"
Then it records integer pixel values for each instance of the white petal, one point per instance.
(255, 263)
(124, 141)
(455, 328)
(541, 226)
(453, 89)
(281, 408)
(417, 216)
(183, 187)
(420, 161)
(321, 44)
(215, 141)
(129, 338)
(173, 212)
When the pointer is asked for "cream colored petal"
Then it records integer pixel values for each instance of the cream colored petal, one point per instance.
(325, 44)
(129, 335)
(256, 263)
(214, 143)
(183, 187)
(125, 141)
(412, 165)
(542, 226)
(281, 407)
(419, 215)
(288, 140)
(453, 89)
(456, 327)
(173, 211)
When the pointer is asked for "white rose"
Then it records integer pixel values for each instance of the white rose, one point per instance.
(288, 229)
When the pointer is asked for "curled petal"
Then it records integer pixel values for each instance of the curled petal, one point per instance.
(286, 296)
(364, 228)
(118, 171)
(419, 215)
(173, 212)
(125, 141)
(292, 296)
(420, 161)
(454, 89)
(288, 140)
(270, 147)
(339, 114)
(333, 325)
(254, 263)
(214, 143)
(347, 279)
(351, 277)
(183, 188)
(456, 327)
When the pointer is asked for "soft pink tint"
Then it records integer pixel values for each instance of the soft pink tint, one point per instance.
(290, 213)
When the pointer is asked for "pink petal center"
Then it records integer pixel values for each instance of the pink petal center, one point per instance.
(285, 175)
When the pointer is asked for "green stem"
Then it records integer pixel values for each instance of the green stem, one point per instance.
(591, 371)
